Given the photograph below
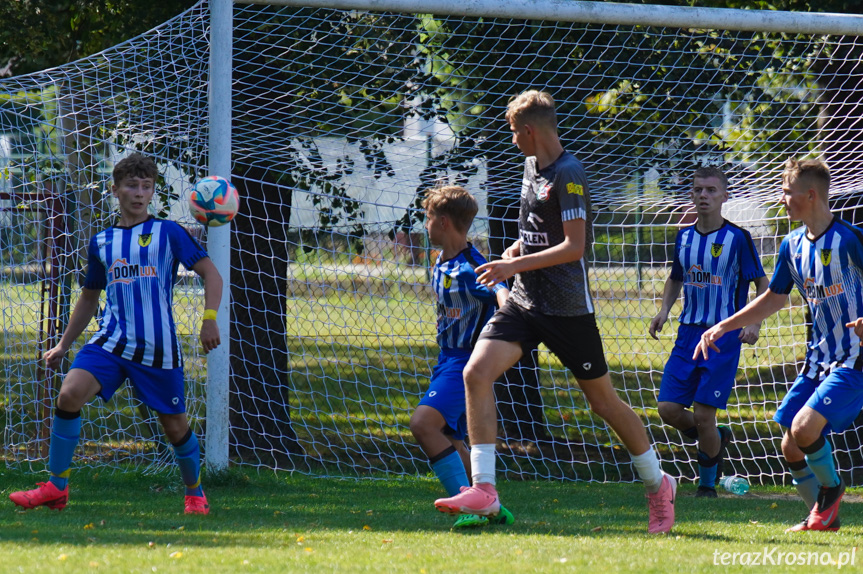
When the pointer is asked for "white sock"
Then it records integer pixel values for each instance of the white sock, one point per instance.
(482, 463)
(647, 467)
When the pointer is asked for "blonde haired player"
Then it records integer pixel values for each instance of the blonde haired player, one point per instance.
(550, 303)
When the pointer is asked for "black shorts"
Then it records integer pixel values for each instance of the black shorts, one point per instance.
(574, 340)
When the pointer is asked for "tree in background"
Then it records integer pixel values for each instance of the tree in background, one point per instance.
(42, 34)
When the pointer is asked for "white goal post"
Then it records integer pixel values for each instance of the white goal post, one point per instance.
(331, 117)
(605, 13)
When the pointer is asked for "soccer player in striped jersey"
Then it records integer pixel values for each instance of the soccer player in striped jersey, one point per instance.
(463, 308)
(824, 260)
(714, 262)
(135, 262)
(550, 303)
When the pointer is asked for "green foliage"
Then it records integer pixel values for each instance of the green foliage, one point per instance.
(40, 34)
(767, 88)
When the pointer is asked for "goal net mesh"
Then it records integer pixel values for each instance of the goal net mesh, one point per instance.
(341, 119)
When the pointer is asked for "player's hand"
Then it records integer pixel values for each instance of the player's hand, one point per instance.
(512, 251)
(494, 272)
(749, 334)
(858, 328)
(708, 341)
(656, 324)
(210, 338)
(54, 356)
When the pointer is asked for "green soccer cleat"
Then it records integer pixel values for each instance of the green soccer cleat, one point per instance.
(469, 521)
(505, 518)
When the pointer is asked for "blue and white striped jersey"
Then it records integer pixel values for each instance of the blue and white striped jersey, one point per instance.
(464, 306)
(137, 268)
(828, 272)
(715, 269)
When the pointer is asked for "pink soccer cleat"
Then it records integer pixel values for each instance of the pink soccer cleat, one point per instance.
(45, 494)
(197, 504)
(660, 504)
(480, 499)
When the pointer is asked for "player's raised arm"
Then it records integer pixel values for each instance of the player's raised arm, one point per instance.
(85, 310)
(210, 338)
(670, 293)
(756, 311)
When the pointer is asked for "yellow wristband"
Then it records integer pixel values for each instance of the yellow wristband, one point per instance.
(210, 314)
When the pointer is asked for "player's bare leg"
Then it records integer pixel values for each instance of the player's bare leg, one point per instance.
(661, 487)
(708, 435)
(605, 402)
(489, 360)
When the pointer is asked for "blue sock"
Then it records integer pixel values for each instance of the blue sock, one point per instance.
(188, 454)
(65, 432)
(807, 485)
(450, 471)
(707, 468)
(822, 465)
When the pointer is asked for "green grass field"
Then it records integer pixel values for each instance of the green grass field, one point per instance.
(129, 522)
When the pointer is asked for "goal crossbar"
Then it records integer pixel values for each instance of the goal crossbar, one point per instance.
(606, 13)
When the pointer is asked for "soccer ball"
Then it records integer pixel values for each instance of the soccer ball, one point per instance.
(214, 201)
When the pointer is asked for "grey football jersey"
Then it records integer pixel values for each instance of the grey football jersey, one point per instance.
(549, 197)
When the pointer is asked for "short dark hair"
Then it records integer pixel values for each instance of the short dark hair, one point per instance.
(135, 165)
(532, 106)
(705, 171)
(453, 201)
(814, 171)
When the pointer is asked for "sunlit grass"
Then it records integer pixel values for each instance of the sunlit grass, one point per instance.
(128, 522)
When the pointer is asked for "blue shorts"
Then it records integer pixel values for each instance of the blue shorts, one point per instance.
(446, 392)
(838, 398)
(707, 381)
(159, 389)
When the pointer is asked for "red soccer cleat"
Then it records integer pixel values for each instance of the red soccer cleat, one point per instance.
(826, 509)
(197, 504)
(45, 494)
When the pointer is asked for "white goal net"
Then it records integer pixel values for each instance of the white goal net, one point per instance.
(340, 119)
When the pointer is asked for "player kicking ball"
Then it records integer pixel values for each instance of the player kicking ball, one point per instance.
(550, 303)
(135, 262)
(824, 260)
(464, 307)
(714, 262)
